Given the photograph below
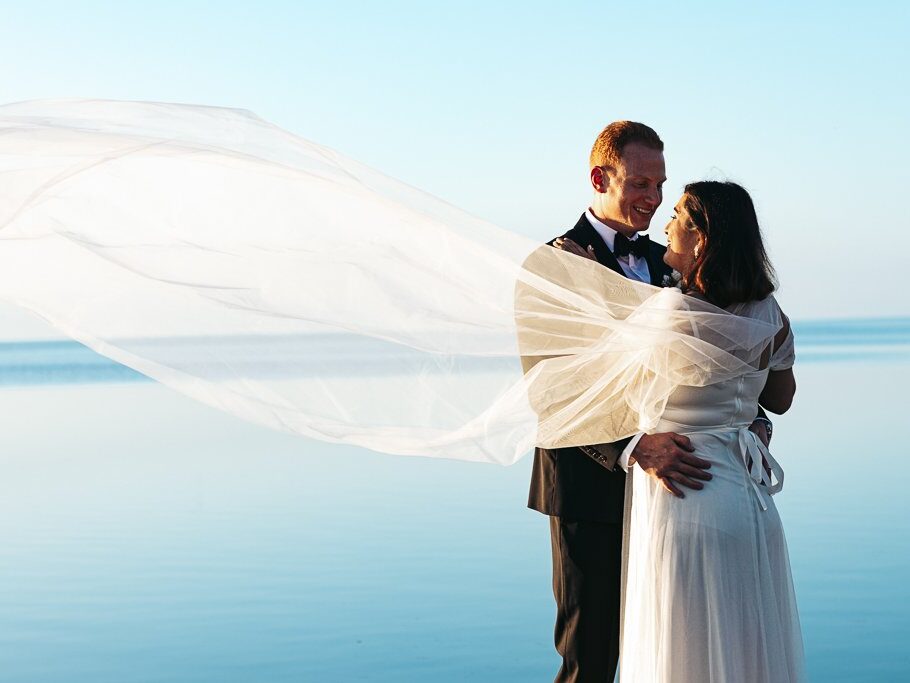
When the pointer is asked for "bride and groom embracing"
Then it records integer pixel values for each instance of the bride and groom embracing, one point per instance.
(278, 280)
(687, 579)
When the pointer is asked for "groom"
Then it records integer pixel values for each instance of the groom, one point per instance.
(582, 489)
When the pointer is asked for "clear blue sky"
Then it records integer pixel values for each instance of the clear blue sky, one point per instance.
(493, 106)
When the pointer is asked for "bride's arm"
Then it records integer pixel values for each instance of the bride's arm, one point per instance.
(777, 396)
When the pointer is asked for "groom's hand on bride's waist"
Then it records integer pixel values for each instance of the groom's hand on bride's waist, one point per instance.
(669, 458)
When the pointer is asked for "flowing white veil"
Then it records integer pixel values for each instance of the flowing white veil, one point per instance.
(280, 281)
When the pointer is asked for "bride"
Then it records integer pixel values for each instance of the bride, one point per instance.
(282, 282)
(708, 592)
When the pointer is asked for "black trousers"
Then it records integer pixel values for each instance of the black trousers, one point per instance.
(587, 568)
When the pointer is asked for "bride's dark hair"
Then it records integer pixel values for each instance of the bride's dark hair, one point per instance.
(732, 266)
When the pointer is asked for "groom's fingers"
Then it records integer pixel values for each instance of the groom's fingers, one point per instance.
(694, 472)
(685, 481)
(694, 461)
(682, 441)
(671, 487)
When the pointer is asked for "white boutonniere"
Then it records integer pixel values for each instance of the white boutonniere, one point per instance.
(672, 280)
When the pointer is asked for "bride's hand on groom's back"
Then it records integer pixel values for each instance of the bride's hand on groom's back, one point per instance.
(668, 457)
(566, 244)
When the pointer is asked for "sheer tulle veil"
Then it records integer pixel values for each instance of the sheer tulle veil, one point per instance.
(276, 279)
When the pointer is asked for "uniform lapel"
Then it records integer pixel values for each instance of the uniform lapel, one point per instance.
(584, 234)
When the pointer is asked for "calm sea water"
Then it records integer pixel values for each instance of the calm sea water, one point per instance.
(144, 537)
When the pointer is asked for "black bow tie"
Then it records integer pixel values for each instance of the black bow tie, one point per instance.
(623, 246)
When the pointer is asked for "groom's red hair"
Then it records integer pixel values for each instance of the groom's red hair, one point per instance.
(607, 149)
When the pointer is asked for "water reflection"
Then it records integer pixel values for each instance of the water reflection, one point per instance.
(149, 538)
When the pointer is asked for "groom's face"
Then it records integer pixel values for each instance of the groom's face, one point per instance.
(633, 190)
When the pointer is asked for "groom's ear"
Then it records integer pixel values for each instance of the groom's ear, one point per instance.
(600, 179)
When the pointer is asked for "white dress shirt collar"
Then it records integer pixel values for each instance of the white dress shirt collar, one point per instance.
(605, 231)
(631, 265)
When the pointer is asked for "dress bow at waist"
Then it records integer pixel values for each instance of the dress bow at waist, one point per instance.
(755, 456)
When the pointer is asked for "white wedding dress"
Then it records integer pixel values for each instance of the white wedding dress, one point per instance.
(709, 595)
